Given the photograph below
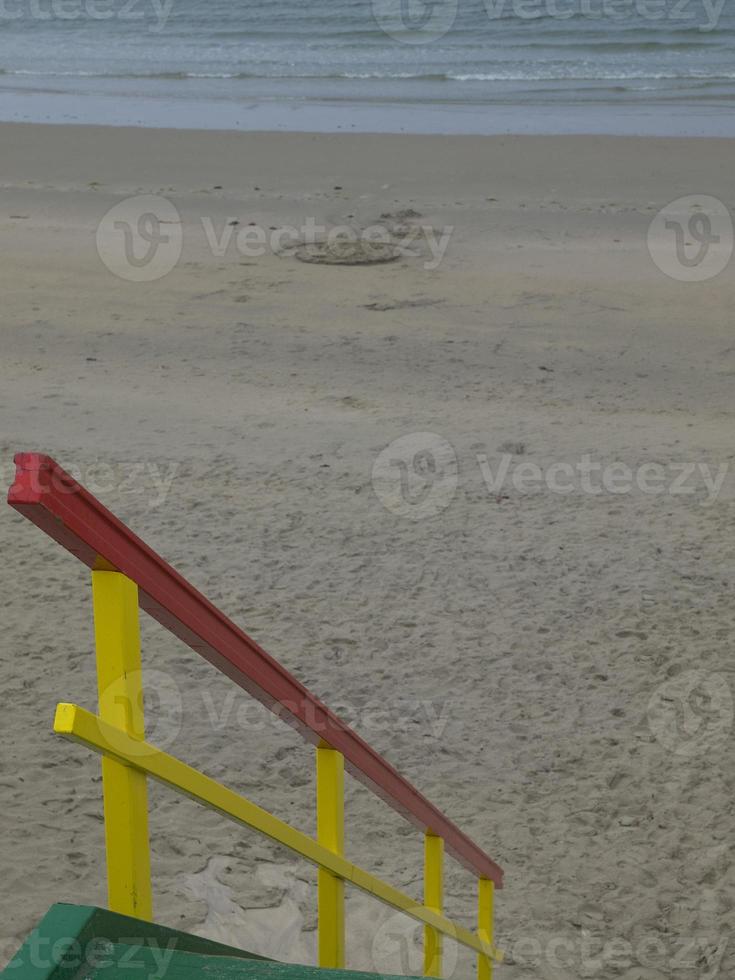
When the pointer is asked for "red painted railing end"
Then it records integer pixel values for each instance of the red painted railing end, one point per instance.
(35, 475)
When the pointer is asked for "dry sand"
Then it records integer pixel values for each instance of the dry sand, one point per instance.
(554, 670)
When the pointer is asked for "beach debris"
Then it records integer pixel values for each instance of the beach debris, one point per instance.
(514, 448)
(403, 214)
(401, 304)
(345, 251)
(384, 240)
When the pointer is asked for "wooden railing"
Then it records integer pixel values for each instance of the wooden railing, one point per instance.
(127, 574)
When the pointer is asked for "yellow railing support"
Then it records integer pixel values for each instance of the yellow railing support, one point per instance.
(330, 832)
(485, 901)
(79, 725)
(117, 640)
(434, 900)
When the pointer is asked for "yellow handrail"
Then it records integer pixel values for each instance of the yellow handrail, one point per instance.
(82, 726)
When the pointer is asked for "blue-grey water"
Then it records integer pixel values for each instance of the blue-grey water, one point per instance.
(444, 65)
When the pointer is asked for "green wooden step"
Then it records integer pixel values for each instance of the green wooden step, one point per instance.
(70, 936)
(80, 942)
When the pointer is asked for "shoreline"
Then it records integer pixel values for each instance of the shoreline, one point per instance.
(166, 111)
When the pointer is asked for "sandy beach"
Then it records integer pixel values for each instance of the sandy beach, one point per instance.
(535, 626)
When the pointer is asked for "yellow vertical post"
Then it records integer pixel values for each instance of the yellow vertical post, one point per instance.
(485, 901)
(117, 640)
(330, 832)
(434, 900)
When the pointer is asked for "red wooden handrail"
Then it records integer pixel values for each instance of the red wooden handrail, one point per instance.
(49, 497)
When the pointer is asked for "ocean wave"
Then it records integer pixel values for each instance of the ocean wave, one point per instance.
(163, 75)
(556, 74)
(603, 46)
(572, 76)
